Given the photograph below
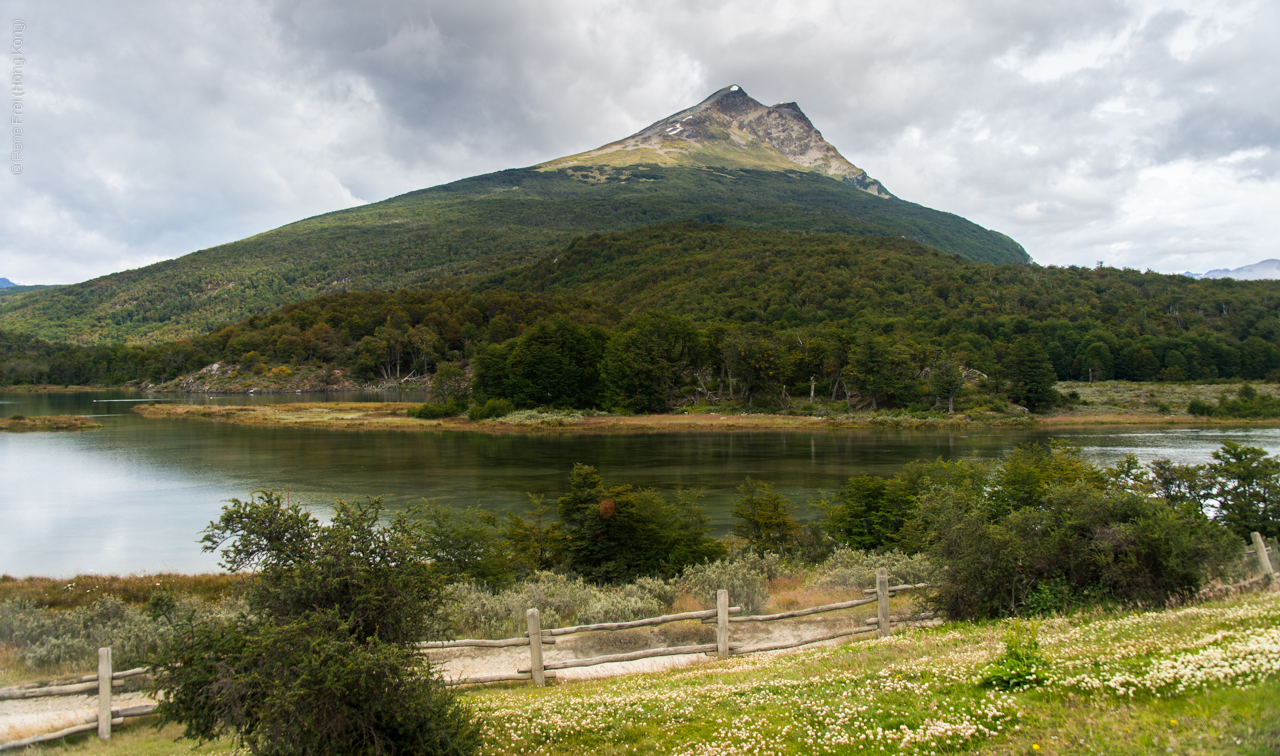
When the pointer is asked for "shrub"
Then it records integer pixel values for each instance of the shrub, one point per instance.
(765, 520)
(746, 577)
(1099, 542)
(53, 640)
(618, 534)
(1200, 408)
(490, 410)
(429, 411)
(852, 568)
(647, 597)
(1245, 483)
(323, 660)
(1248, 403)
(463, 544)
(477, 612)
(1020, 666)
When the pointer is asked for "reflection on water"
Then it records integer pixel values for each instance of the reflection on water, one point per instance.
(134, 495)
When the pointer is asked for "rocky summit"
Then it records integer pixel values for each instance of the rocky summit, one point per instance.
(730, 129)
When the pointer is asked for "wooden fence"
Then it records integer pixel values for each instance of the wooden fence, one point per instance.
(103, 682)
(723, 616)
(1263, 552)
(538, 671)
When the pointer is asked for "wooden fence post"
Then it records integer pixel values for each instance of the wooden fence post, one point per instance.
(722, 624)
(882, 601)
(104, 693)
(535, 648)
(1260, 548)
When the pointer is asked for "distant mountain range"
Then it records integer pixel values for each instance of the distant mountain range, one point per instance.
(1259, 271)
(728, 160)
(6, 282)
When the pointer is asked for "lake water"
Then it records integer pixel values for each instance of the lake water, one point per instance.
(135, 495)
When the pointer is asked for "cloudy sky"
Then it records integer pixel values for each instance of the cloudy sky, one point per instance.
(1144, 134)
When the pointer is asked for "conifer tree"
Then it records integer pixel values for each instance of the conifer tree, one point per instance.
(1031, 375)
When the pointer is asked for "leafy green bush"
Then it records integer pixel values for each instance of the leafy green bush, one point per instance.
(764, 517)
(489, 410)
(1200, 408)
(1248, 403)
(1245, 483)
(323, 661)
(1021, 665)
(1052, 596)
(430, 411)
(1102, 541)
(618, 534)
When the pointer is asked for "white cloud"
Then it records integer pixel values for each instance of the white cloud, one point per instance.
(1144, 133)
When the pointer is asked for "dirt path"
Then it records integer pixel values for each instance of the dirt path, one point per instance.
(33, 716)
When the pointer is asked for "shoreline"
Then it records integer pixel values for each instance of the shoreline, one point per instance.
(390, 416)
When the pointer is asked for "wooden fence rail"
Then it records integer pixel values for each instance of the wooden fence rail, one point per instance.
(546, 641)
(1263, 552)
(103, 682)
(802, 612)
(704, 614)
(83, 684)
(539, 671)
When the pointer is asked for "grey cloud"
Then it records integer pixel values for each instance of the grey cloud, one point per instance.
(1140, 133)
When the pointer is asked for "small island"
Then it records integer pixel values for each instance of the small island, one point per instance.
(1101, 404)
(23, 424)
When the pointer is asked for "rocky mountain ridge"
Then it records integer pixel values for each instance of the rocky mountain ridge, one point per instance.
(733, 130)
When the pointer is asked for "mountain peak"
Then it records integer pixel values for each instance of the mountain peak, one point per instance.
(732, 130)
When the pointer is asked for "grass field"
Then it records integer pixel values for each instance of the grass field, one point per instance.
(1202, 679)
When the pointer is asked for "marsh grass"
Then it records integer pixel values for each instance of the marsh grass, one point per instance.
(22, 424)
(1156, 401)
(135, 590)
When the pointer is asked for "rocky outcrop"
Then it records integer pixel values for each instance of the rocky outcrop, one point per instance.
(732, 130)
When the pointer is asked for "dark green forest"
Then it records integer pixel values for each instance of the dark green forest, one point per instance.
(651, 318)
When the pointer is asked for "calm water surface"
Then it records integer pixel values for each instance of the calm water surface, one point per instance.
(135, 495)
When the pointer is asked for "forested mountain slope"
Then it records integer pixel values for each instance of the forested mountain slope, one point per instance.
(824, 282)
(811, 302)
